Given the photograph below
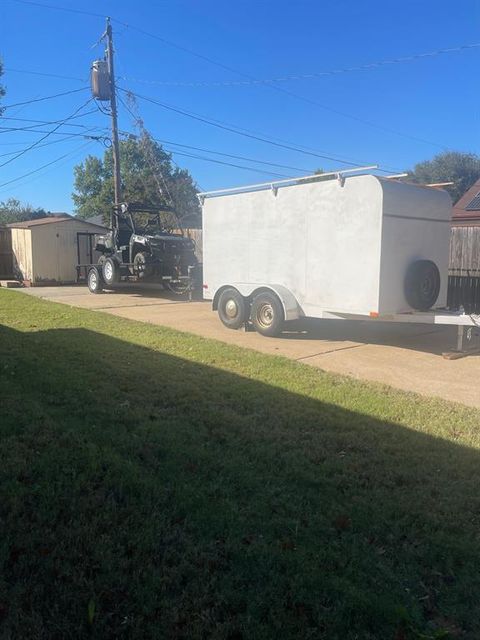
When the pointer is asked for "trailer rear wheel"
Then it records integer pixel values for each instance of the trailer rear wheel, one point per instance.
(110, 271)
(422, 284)
(267, 314)
(94, 281)
(232, 308)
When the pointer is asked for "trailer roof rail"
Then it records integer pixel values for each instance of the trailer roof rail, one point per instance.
(339, 173)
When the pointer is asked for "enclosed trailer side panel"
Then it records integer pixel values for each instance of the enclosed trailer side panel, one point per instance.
(320, 240)
(416, 226)
(343, 236)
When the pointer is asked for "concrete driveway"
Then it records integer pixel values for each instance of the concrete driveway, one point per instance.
(404, 356)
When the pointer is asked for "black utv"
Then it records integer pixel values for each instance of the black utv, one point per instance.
(141, 246)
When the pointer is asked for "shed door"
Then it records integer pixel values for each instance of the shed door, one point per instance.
(85, 248)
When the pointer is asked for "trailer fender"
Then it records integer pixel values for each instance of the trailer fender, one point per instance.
(291, 308)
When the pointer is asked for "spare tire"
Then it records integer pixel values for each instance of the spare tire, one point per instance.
(422, 284)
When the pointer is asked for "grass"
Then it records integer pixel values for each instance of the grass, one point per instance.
(154, 484)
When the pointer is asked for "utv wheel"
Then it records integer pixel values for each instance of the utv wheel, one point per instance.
(267, 314)
(94, 281)
(110, 271)
(422, 284)
(141, 266)
(232, 308)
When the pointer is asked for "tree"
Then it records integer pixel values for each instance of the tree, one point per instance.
(13, 210)
(146, 170)
(463, 169)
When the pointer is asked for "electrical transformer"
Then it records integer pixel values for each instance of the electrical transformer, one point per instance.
(100, 80)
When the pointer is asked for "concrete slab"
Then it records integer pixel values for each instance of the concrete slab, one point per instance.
(406, 356)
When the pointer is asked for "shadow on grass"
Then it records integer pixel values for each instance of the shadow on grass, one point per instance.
(146, 496)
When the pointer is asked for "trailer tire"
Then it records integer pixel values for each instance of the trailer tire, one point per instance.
(422, 285)
(110, 271)
(94, 280)
(232, 308)
(267, 314)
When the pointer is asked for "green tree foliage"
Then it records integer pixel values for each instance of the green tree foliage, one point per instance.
(144, 167)
(13, 210)
(463, 169)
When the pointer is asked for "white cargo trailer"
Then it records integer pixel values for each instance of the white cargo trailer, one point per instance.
(343, 246)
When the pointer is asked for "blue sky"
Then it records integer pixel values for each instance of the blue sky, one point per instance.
(394, 115)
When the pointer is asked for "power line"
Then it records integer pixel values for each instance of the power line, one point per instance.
(49, 133)
(245, 75)
(84, 126)
(55, 95)
(47, 144)
(54, 133)
(308, 76)
(283, 90)
(40, 73)
(226, 155)
(228, 164)
(57, 8)
(238, 132)
(229, 155)
(46, 122)
(65, 155)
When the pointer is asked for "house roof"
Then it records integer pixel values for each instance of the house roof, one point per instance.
(467, 209)
(50, 220)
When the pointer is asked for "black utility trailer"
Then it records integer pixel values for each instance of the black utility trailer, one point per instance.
(142, 246)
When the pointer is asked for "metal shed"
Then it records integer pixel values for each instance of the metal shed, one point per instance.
(47, 250)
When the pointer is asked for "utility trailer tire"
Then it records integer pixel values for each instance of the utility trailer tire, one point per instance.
(110, 271)
(267, 314)
(232, 308)
(94, 280)
(422, 285)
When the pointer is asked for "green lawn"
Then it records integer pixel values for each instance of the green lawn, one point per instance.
(154, 484)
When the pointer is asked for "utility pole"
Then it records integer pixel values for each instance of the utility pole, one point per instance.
(113, 106)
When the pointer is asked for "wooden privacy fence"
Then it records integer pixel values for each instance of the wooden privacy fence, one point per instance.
(465, 250)
(6, 253)
(464, 269)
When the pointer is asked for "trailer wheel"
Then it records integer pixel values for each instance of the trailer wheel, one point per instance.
(94, 281)
(232, 308)
(110, 271)
(422, 284)
(267, 314)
